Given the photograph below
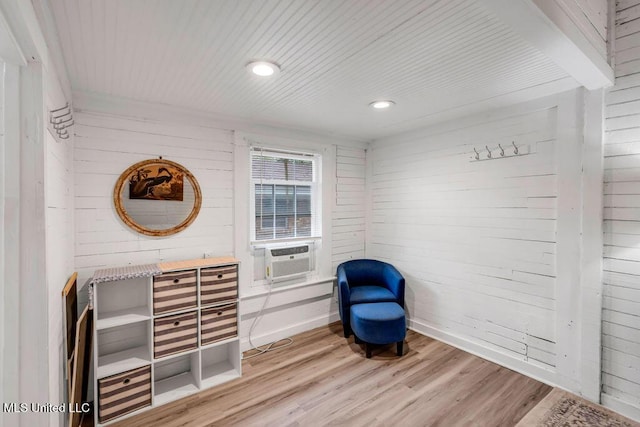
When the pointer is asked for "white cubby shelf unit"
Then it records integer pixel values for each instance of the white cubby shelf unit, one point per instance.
(163, 336)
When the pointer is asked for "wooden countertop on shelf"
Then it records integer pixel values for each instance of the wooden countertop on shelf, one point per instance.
(196, 263)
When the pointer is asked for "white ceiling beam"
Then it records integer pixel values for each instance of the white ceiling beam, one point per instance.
(9, 49)
(547, 27)
(21, 20)
(44, 14)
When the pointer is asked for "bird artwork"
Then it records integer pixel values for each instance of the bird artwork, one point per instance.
(156, 182)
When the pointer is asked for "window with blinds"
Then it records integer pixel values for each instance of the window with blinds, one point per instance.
(284, 195)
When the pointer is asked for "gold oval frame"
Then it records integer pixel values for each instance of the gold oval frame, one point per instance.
(124, 216)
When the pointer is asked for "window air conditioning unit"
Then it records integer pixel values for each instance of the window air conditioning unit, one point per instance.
(287, 262)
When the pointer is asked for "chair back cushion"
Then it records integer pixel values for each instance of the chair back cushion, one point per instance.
(365, 272)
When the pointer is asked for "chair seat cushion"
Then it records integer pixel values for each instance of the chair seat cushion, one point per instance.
(378, 323)
(369, 294)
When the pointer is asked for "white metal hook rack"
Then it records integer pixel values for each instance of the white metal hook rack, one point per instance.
(487, 153)
(61, 119)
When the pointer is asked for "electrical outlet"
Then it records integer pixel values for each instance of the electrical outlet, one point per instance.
(208, 255)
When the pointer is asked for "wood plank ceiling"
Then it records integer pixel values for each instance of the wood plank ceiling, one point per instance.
(337, 56)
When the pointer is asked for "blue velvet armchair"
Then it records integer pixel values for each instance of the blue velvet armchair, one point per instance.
(364, 281)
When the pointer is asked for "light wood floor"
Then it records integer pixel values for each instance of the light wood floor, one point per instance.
(324, 380)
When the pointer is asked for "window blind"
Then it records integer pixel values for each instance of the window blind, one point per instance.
(285, 195)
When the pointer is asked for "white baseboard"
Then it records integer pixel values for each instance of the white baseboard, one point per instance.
(623, 408)
(290, 330)
(535, 372)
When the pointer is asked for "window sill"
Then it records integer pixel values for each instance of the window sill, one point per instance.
(262, 244)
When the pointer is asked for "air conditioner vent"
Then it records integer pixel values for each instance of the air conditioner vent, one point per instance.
(289, 251)
(287, 262)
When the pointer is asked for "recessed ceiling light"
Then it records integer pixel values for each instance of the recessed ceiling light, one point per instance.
(381, 105)
(263, 68)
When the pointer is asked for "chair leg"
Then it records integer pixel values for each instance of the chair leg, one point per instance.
(399, 348)
(347, 331)
(367, 349)
(356, 339)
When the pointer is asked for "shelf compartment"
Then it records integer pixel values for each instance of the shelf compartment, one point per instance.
(220, 364)
(175, 334)
(176, 378)
(218, 323)
(123, 317)
(124, 393)
(222, 342)
(174, 291)
(122, 302)
(123, 348)
(218, 284)
(123, 361)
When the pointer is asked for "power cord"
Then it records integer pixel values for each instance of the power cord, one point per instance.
(266, 347)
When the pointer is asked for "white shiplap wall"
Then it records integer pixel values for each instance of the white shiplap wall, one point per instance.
(106, 144)
(59, 229)
(476, 241)
(621, 300)
(104, 147)
(348, 224)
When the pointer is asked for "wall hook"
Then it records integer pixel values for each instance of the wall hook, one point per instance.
(61, 119)
(488, 151)
(501, 150)
(477, 154)
(515, 149)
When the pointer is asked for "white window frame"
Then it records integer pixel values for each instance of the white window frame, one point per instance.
(316, 194)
